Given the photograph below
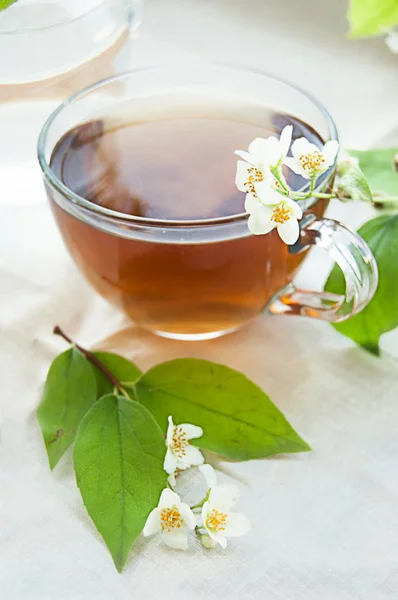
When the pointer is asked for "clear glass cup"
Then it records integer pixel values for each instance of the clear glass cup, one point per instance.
(182, 299)
(43, 40)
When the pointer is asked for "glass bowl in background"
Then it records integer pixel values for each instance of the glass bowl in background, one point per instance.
(43, 39)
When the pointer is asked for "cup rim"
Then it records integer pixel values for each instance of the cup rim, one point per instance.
(62, 23)
(87, 205)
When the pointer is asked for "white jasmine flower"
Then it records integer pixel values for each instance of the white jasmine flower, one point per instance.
(392, 41)
(250, 179)
(180, 454)
(268, 210)
(172, 518)
(308, 161)
(218, 519)
(263, 155)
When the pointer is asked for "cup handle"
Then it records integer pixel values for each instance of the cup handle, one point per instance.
(356, 261)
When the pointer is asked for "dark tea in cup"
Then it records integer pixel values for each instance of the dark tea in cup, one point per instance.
(172, 169)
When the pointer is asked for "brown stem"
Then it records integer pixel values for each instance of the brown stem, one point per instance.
(92, 358)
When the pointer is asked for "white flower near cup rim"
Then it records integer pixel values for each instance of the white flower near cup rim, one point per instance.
(265, 215)
(219, 521)
(308, 160)
(262, 162)
(269, 201)
(172, 518)
(180, 454)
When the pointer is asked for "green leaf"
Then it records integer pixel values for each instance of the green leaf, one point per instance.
(69, 392)
(124, 370)
(6, 3)
(372, 17)
(377, 166)
(118, 455)
(381, 315)
(238, 419)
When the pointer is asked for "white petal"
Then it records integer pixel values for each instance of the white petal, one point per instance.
(258, 151)
(219, 537)
(191, 431)
(285, 139)
(193, 456)
(152, 524)
(237, 524)
(209, 474)
(170, 431)
(245, 155)
(260, 222)
(170, 462)
(298, 213)
(303, 146)
(175, 539)
(172, 479)
(289, 231)
(169, 498)
(329, 152)
(251, 203)
(206, 509)
(273, 152)
(188, 516)
(222, 497)
(296, 167)
(241, 175)
(267, 194)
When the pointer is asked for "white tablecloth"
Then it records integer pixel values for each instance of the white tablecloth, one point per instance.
(325, 524)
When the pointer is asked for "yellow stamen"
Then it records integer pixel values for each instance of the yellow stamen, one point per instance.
(312, 161)
(216, 520)
(179, 442)
(177, 472)
(170, 518)
(281, 214)
(255, 175)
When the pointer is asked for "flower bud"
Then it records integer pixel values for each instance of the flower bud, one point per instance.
(207, 542)
(345, 163)
(351, 182)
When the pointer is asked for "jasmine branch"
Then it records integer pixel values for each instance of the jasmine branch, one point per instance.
(94, 360)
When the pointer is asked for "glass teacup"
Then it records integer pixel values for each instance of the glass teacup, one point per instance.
(139, 171)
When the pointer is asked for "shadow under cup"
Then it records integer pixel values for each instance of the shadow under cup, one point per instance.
(189, 279)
